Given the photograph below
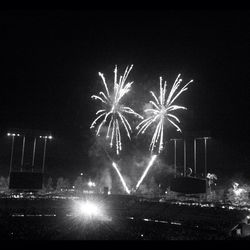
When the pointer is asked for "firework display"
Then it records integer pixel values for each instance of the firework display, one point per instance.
(113, 111)
(162, 111)
(146, 171)
(121, 178)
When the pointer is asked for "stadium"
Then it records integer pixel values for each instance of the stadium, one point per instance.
(124, 125)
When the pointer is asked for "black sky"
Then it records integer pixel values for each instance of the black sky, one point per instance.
(50, 62)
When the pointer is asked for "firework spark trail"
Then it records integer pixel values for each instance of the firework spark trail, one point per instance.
(114, 111)
(121, 178)
(161, 111)
(146, 171)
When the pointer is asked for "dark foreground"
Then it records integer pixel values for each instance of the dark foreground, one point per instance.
(126, 219)
(57, 229)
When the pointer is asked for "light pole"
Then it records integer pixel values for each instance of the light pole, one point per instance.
(44, 149)
(175, 166)
(205, 158)
(33, 156)
(194, 157)
(185, 157)
(22, 153)
(205, 145)
(205, 153)
(12, 147)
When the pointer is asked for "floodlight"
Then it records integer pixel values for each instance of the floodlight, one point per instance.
(89, 209)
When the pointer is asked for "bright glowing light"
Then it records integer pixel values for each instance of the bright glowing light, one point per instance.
(91, 184)
(89, 209)
(146, 171)
(161, 110)
(121, 178)
(239, 191)
(46, 137)
(113, 112)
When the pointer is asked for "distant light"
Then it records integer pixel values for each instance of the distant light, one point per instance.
(206, 138)
(91, 184)
(81, 173)
(10, 134)
(46, 137)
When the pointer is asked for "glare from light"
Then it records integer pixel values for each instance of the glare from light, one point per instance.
(88, 209)
(91, 184)
(46, 137)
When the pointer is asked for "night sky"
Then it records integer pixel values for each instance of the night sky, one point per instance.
(50, 62)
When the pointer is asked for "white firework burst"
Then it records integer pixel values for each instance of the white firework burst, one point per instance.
(162, 111)
(113, 113)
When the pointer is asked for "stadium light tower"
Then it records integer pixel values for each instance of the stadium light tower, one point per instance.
(13, 135)
(44, 149)
(175, 139)
(23, 147)
(195, 157)
(33, 154)
(205, 152)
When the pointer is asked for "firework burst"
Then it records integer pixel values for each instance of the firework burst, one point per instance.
(113, 113)
(162, 111)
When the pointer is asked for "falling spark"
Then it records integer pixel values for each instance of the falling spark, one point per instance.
(162, 108)
(113, 113)
(121, 178)
(146, 171)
